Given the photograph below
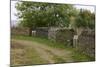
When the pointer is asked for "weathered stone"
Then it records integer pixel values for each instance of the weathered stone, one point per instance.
(86, 43)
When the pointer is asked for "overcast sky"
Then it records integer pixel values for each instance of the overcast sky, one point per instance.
(14, 11)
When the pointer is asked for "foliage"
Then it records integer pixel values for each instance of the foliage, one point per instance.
(44, 14)
(85, 19)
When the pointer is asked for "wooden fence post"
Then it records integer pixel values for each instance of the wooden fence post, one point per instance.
(75, 38)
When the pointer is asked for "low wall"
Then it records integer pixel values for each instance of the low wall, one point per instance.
(19, 31)
(65, 36)
(61, 35)
(86, 43)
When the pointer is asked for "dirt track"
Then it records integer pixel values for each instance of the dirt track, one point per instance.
(44, 52)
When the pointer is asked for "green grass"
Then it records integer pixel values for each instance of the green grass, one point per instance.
(80, 57)
(42, 40)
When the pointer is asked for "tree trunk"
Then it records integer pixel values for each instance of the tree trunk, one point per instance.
(30, 31)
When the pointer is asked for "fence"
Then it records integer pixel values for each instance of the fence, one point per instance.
(42, 32)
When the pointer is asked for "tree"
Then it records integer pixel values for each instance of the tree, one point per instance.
(85, 19)
(34, 15)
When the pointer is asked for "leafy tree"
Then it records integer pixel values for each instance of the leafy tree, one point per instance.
(85, 19)
(34, 14)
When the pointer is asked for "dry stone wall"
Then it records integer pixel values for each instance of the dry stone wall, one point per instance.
(86, 43)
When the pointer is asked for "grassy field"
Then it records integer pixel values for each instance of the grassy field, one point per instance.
(27, 50)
